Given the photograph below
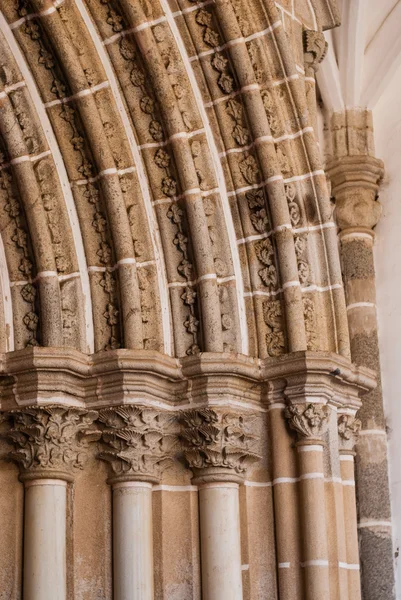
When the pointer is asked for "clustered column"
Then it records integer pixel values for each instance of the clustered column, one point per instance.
(355, 174)
(50, 446)
(136, 446)
(310, 421)
(217, 448)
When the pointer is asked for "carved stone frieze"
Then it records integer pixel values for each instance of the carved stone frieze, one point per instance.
(137, 443)
(310, 421)
(50, 441)
(217, 443)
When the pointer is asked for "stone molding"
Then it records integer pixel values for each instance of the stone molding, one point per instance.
(50, 441)
(36, 375)
(136, 442)
(355, 173)
(218, 445)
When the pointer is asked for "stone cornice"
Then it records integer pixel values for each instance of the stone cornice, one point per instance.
(355, 171)
(316, 377)
(47, 375)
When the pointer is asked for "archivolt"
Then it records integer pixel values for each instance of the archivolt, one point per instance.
(183, 147)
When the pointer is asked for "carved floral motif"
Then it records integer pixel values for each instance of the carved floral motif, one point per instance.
(137, 443)
(214, 438)
(272, 316)
(348, 431)
(308, 420)
(91, 191)
(51, 438)
(20, 239)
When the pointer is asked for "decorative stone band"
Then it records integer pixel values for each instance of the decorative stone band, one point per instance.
(136, 441)
(310, 421)
(50, 441)
(217, 444)
(348, 431)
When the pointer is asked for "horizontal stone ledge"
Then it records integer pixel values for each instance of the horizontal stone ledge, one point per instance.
(68, 377)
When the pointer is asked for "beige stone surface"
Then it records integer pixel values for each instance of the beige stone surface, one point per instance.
(175, 346)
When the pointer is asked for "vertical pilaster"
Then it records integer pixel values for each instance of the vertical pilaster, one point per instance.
(50, 444)
(355, 175)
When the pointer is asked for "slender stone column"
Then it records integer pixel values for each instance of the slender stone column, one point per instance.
(355, 175)
(348, 429)
(136, 448)
(132, 540)
(220, 540)
(217, 448)
(50, 444)
(45, 539)
(310, 422)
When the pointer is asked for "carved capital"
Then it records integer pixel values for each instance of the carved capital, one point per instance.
(355, 184)
(51, 441)
(137, 444)
(348, 431)
(310, 421)
(218, 444)
(315, 48)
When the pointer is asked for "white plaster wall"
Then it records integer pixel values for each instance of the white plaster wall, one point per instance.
(387, 124)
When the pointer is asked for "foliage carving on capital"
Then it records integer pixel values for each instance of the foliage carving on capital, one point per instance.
(348, 431)
(137, 443)
(51, 440)
(315, 47)
(310, 421)
(221, 439)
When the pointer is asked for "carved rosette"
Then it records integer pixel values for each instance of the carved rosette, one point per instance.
(348, 431)
(310, 421)
(218, 445)
(51, 441)
(136, 442)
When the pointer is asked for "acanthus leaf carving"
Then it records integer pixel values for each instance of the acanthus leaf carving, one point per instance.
(215, 438)
(51, 440)
(137, 443)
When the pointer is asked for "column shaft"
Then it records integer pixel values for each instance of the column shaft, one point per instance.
(45, 540)
(371, 459)
(350, 520)
(220, 541)
(132, 541)
(286, 507)
(314, 531)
